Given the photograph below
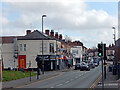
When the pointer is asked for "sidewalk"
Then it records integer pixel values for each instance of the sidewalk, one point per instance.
(109, 82)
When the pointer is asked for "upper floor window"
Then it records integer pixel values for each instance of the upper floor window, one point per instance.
(24, 47)
(44, 47)
(51, 47)
(20, 47)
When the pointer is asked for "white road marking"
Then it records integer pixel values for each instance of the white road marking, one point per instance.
(80, 75)
(51, 87)
(59, 85)
(71, 79)
(76, 77)
(67, 81)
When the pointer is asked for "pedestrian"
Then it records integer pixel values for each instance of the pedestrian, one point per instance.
(68, 66)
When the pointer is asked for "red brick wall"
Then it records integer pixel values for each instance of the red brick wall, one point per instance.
(118, 54)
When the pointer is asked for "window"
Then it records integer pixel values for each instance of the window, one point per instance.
(24, 47)
(44, 48)
(51, 47)
(20, 47)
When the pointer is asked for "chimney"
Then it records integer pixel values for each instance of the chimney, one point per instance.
(28, 32)
(47, 32)
(52, 33)
(56, 35)
(60, 36)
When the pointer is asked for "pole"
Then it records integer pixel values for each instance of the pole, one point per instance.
(56, 55)
(30, 69)
(42, 50)
(14, 63)
(115, 44)
(102, 76)
(102, 68)
(104, 57)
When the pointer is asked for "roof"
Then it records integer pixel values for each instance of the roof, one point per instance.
(8, 39)
(36, 35)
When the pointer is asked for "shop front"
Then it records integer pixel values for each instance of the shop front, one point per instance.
(50, 62)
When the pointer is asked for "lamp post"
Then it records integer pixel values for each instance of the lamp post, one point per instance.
(42, 46)
(114, 43)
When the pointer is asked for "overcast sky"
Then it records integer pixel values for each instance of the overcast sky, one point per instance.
(89, 22)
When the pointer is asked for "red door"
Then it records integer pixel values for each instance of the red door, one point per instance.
(22, 61)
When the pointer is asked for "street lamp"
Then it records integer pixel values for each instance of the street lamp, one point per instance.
(42, 46)
(114, 43)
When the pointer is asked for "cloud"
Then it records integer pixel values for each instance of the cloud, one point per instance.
(92, 25)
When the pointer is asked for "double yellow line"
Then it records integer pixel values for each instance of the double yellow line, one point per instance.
(94, 84)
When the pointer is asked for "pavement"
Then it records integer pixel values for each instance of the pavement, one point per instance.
(110, 82)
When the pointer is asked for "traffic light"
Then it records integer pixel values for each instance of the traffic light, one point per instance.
(105, 57)
(100, 51)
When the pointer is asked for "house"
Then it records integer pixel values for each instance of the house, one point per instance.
(9, 51)
(110, 50)
(76, 51)
(26, 51)
(92, 53)
(30, 47)
(77, 54)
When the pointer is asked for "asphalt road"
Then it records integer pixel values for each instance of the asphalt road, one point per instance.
(69, 79)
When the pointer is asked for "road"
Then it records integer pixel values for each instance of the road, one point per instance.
(69, 79)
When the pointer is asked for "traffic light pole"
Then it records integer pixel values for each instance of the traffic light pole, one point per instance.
(104, 57)
(102, 67)
(102, 75)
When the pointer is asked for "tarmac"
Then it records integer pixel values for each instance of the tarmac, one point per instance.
(109, 83)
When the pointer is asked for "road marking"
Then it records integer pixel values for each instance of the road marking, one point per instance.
(51, 87)
(94, 84)
(76, 77)
(39, 81)
(59, 85)
(67, 81)
(71, 79)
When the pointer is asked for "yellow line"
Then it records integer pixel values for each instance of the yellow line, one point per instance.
(94, 84)
(96, 81)
(39, 81)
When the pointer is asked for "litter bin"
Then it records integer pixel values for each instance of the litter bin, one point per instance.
(114, 70)
(110, 68)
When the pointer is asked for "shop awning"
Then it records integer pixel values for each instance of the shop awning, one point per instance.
(60, 57)
(66, 58)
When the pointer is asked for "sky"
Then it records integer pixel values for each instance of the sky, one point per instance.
(88, 22)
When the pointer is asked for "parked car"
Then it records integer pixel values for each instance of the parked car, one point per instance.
(77, 66)
(84, 66)
(86, 61)
(96, 64)
(91, 65)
